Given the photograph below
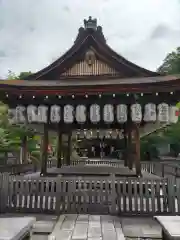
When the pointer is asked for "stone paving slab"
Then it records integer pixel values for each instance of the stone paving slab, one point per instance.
(39, 237)
(141, 228)
(44, 223)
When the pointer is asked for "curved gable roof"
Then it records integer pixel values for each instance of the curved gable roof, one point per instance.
(91, 37)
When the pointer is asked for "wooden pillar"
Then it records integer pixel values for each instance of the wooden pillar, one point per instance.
(129, 141)
(44, 156)
(129, 138)
(137, 151)
(59, 148)
(24, 146)
(125, 146)
(68, 156)
(23, 150)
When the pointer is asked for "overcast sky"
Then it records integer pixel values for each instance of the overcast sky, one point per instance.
(33, 33)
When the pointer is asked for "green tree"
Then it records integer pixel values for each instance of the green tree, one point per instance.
(12, 76)
(23, 75)
(171, 64)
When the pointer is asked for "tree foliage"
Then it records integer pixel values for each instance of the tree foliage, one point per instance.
(171, 64)
(21, 76)
(171, 134)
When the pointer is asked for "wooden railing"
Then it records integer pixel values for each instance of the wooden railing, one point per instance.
(16, 168)
(162, 169)
(166, 168)
(123, 196)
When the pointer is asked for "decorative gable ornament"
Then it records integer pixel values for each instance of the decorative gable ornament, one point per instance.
(20, 114)
(55, 114)
(90, 23)
(108, 113)
(42, 114)
(136, 113)
(32, 113)
(68, 114)
(81, 113)
(150, 112)
(121, 113)
(173, 114)
(90, 57)
(95, 114)
(163, 112)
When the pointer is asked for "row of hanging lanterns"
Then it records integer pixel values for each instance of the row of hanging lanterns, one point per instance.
(95, 113)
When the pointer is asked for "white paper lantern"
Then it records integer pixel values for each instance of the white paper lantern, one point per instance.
(121, 113)
(32, 113)
(173, 114)
(163, 112)
(55, 114)
(150, 112)
(20, 116)
(95, 115)
(68, 114)
(81, 114)
(108, 113)
(42, 114)
(136, 112)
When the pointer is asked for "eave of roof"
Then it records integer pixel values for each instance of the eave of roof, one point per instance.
(67, 88)
(80, 82)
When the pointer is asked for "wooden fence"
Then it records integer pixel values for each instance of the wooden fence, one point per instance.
(16, 169)
(167, 170)
(121, 196)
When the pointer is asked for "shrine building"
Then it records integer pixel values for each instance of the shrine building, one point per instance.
(92, 87)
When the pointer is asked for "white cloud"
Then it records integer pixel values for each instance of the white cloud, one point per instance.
(33, 33)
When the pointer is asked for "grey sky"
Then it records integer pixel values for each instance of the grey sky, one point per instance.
(33, 33)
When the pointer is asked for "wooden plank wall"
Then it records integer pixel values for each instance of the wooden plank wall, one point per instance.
(121, 196)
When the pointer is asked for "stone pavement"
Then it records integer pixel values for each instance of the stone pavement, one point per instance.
(87, 227)
(92, 227)
(104, 227)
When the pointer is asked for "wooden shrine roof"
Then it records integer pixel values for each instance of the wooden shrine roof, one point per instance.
(91, 56)
(91, 66)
